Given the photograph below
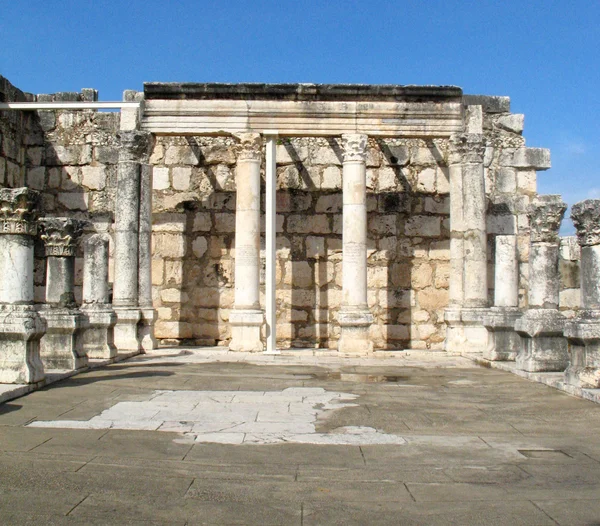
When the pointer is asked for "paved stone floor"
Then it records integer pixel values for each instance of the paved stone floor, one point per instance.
(186, 437)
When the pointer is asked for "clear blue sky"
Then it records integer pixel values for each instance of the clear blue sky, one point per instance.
(543, 54)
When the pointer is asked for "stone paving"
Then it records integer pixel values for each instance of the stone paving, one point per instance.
(142, 442)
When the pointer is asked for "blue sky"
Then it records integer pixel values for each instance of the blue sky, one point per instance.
(543, 54)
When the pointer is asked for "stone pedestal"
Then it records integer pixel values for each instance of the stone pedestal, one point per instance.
(20, 325)
(354, 316)
(583, 332)
(98, 339)
(62, 345)
(468, 246)
(543, 347)
(503, 342)
(247, 318)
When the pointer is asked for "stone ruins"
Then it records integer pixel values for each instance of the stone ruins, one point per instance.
(359, 219)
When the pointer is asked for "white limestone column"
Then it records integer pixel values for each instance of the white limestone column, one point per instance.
(98, 339)
(583, 332)
(354, 316)
(134, 148)
(506, 272)
(543, 347)
(21, 327)
(247, 318)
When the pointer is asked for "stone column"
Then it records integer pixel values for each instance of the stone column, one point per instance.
(246, 317)
(134, 149)
(583, 332)
(543, 347)
(98, 339)
(354, 316)
(468, 245)
(62, 346)
(20, 325)
(147, 311)
(503, 342)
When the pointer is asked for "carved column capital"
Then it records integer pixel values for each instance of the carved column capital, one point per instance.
(466, 148)
(355, 147)
(545, 215)
(18, 211)
(60, 235)
(135, 146)
(586, 218)
(249, 147)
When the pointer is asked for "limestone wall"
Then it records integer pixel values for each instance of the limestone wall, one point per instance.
(72, 156)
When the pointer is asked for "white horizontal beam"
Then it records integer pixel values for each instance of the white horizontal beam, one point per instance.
(32, 106)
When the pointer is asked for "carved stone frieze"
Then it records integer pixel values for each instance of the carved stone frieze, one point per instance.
(545, 215)
(18, 210)
(135, 146)
(586, 218)
(466, 148)
(249, 147)
(355, 147)
(60, 235)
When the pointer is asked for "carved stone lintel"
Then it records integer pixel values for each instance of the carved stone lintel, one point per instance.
(355, 147)
(249, 147)
(586, 218)
(545, 215)
(60, 235)
(466, 148)
(18, 211)
(135, 146)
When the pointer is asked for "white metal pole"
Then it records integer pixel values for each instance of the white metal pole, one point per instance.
(270, 236)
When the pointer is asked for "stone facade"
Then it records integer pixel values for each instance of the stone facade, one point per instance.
(72, 157)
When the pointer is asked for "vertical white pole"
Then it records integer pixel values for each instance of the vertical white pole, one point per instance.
(270, 236)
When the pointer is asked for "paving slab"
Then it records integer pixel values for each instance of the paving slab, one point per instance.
(187, 436)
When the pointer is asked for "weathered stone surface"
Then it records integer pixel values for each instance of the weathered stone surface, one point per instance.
(537, 158)
(545, 215)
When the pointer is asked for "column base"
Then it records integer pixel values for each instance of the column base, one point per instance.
(543, 346)
(99, 337)
(583, 336)
(62, 345)
(503, 342)
(126, 329)
(465, 331)
(21, 328)
(146, 329)
(246, 326)
(354, 333)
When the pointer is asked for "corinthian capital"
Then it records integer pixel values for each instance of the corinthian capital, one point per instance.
(586, 218)
(466, 148)
(18, 210)
(135, 146)
(545, 215)
(60, 235)
(249, 147)
(355, 147)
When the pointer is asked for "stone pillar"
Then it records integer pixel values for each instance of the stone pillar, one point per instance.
(246, 317)
(147, 311)
(583, 332)
(134, 149)
(20, 325)
(98, 339)
(354, 316)
(62, 345)
(468, 246)
(543, 347)
(503, 342)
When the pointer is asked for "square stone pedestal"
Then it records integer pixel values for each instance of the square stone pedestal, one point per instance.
(21, 328)
(98, 338)
(503, 342)
(543, 346)
(354, 333)
(246, 326)
(465, 331)
(583, 337)
(62, 345)
(126, 329)
(146, 329)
